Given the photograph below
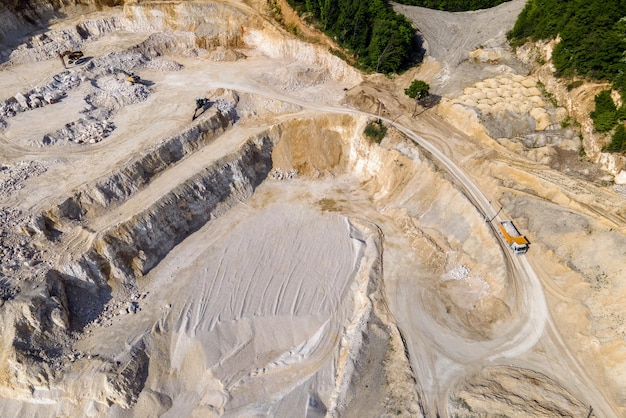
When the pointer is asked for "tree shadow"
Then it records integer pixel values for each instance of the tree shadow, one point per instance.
(418, 49)
(428, 102)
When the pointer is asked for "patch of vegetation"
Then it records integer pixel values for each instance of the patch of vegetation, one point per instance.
(276, 11)
(418, 90)
(575, 84)
(605, 115)
(618, 141)
(547, 94)
(592, 45)
(592, 35)
(277, 14)
(567, 122)
(339, 53)
(380, 39)
(375, 130)
(582, 154)
(454, 5)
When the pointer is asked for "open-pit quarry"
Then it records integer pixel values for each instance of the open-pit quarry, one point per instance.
(259, 255)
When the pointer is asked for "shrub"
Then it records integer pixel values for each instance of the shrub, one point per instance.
(605, 114)
(418, 90)
(575, 84)
(375, 130)
(618, 141)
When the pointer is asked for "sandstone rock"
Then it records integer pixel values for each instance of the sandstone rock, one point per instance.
(620, 178)
(21, 99)
(561, 115)
(542, 118)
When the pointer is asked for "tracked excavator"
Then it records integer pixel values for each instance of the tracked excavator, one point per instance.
(130, 77)
(72, 57)
(202, 103)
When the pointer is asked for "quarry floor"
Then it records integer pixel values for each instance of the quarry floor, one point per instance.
(367, 283)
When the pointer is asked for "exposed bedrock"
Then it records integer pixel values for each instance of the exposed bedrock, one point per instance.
(517, 392)
(92, 199)
(33, 337)
(131, 248)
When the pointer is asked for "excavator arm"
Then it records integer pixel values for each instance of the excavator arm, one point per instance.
(72, 57)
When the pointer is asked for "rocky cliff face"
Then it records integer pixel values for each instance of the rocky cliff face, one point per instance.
(578, 101)
(18, 18)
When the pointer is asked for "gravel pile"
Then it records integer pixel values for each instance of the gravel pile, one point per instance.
(41, 96)
(47, 45)
(295, 78)
(121, 304)
(177, 42)
(86, 130)
(114, 92)
(12, 177)
(278, 174)
(112, 63)
(15, 250)
(8, 290)
(163, 64)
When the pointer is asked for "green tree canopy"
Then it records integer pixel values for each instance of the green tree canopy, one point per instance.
(592, 32)
(618, 141)
(418, 89)
(379, 38)
(605, 114)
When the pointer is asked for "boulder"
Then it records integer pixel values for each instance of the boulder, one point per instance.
(21, 99)
(541, 117)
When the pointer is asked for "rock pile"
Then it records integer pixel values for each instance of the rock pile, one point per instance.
(120, 305)
(551, 137)
(17, 256)
(179, 43)
(278, 174)
(41, 96)
(12, 177)
(511, 98)
(225, 101)
(85, 130)
(295, 77)
(15, 251)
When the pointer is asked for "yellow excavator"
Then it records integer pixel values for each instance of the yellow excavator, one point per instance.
(130, 77)
(72, 57)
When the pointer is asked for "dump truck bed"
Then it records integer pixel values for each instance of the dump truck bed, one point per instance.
(516, 241)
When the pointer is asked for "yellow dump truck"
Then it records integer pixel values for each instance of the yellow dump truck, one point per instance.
(518, 243)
